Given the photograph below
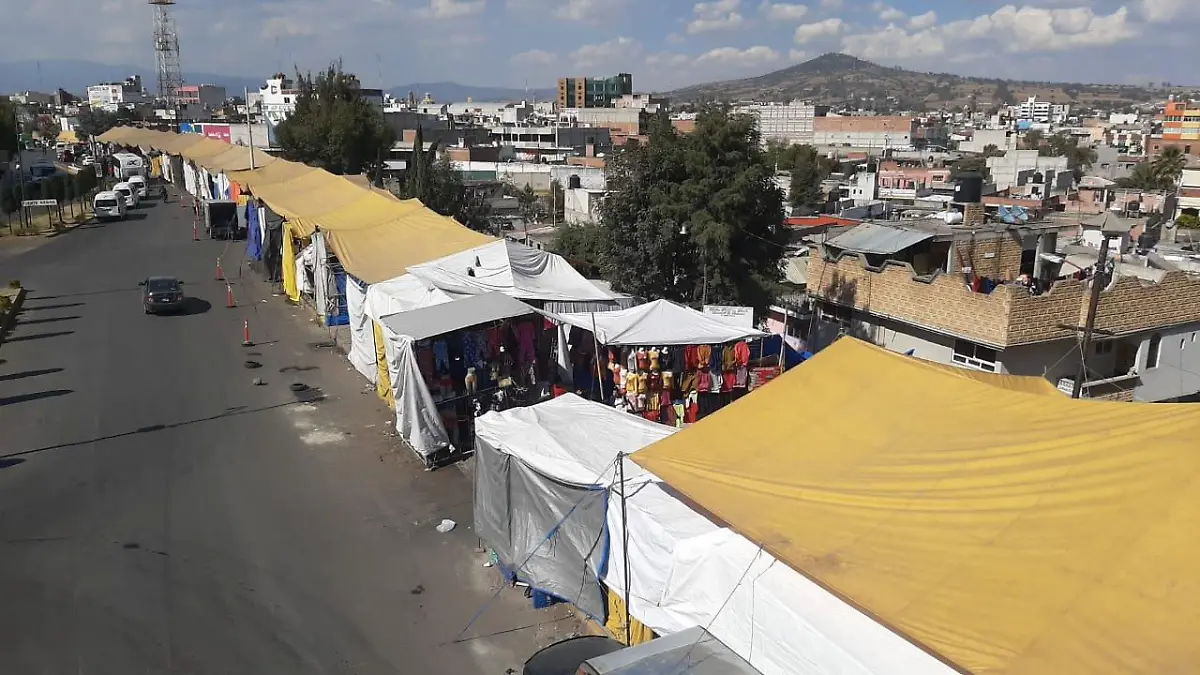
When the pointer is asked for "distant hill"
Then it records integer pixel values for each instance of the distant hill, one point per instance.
(452, 92)
(74, 75)
(840, 78)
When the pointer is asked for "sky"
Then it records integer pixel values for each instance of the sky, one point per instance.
(664, 43)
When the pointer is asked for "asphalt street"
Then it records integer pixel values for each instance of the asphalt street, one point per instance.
(161, 514)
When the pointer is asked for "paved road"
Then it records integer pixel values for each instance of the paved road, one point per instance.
(159, 514)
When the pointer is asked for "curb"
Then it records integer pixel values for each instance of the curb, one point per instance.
(70, 228)
(7, 322)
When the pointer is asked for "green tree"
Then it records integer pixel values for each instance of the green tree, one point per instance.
(970, 164)
(1188, 220)
(582, 245)
(1169, 165)
(1032, 140)
(9, 126)
(693, 217)
(439, 186)
(95, 121)
(333, 126)
(46, 126)
(807, 174)
(558, 200)
(527, 201)
(992, 150)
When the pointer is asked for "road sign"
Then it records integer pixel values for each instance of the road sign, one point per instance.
(30, 203)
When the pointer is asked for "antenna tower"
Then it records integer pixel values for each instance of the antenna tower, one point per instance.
(166, 50)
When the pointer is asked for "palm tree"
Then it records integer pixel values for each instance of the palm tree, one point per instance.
(1168, 166)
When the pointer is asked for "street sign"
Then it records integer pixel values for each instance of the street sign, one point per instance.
(30, 203)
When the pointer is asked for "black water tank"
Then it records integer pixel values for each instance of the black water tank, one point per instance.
(573, 181)
(968, 189)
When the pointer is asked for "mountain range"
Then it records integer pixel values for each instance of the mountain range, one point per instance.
(75, 75)
(840, 78)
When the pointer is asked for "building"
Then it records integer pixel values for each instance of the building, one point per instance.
(34, 98)
(1180, 128)
(981, 139)
(277, 98)
(1007, 299)
(113, 95)
(208, 96)
(1189, 192)
(650, 103)
(629, 121)
(593, 92)
(1042, 112)
(874, 135)
(1017, 168)
(785, 123)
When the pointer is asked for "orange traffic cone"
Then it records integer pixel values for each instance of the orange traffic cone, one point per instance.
(246, 333)
(220, 273)
(229, 296)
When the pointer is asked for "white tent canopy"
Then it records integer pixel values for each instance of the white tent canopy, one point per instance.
(402, 294)
(661, 322)
(446, 317)
(685, 570)
(511, 268)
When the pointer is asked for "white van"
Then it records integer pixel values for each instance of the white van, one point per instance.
(138, 183)
(109, 206)
(127, 193)
(126, 164)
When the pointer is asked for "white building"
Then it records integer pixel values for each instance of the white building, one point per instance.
(207, 96)
(113, 95)
(786, 123)
(1040, 111)
(278, 98)
(1018, 167)
(582, 205)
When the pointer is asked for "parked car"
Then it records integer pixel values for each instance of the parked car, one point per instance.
(138, 183)
(162, 294)
(109, 205)
(128, 193)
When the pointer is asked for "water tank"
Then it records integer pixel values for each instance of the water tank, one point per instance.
(968, 189)
(573, 181)
(952, 217)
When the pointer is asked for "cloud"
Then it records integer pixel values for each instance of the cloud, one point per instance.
(887, 13)
(535, 57)
(451, 9)
(797, 55)
(781, 11)
(739, 58)
(831, 4)
(1162, 11)
(923, 21)
(808, 32)
(715, 15)
(578, 10)
(616, 50)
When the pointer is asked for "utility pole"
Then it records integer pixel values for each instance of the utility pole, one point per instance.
(249, 125)
(1099, 281)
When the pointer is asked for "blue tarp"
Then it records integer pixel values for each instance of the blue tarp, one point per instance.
(253, 233)
(791, 357)
(342, 318)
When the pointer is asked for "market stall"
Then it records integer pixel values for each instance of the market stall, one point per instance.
(662, 361)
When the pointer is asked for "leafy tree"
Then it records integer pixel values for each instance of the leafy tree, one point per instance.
(558, 200)
(1032, 140)
(970, 164)
(807, 174)
(527, 201)
(692, 217)
(1169, 166)
(333, 126)
(440, 187)
(46, 127)
(992, 150)
(1003, 94)
(1188, 220)
(582, 245)
(1079, 158)
(95, 121)
(9, 127)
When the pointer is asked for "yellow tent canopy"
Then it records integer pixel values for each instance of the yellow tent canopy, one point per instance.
(1001, 527)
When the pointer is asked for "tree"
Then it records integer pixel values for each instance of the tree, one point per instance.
(970, 164)
(693, 217)
(9, 126)
(558, 200)
(1003, 94)
(46, 127)
(807, 174)
(1188, 220)
(1032, 140)
(95, 121)
(333, 126)
(1169, 165)
(992, 150)
(440, 187)
(582, 246)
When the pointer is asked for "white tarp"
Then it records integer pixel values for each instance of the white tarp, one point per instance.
(447, 317)
(684, 569)
(402, 294)
(656, 323)
(362, 333)
(417, 419)
(508, 267)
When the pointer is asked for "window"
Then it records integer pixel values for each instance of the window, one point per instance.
(974, 356)
(1152, 353)
(1104, 347)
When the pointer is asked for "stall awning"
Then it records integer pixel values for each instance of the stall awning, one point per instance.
(877, 239)
(1004, 531)
(511, 268)
(421, 324)
(661, 322)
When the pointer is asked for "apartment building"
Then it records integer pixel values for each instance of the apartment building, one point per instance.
(593, 92)
(1043, 112)
(209, 96)
(1189, 192)
(784, 123)
(1007, 299)
(1017, 168)
(113, 95)
(874, 135)
(1180, 129)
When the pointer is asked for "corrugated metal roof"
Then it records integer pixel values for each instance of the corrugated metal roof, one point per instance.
(878, 239)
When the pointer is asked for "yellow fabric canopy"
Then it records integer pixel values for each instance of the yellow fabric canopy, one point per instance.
(235, 158)
(1001, 527)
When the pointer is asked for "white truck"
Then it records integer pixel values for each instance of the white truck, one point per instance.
(126, 164)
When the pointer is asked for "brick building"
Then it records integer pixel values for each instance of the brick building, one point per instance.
(874, 134)
(1005, 299)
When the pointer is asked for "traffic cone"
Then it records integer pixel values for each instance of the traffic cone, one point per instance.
(246, 333)
(229, 296)
(220, 274)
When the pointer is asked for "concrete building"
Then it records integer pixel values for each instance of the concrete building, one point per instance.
(34, 98)
(208, 96)
(593, 92)
(1189, 192)
(625, 120)
(1043, 112)
(785, 123)
(650, 103)
(873, 135)
(113, 95)
(582, 205)
(277, 98)
(1009, 300)
(1180, 128)
(1003, 139)
(1020, 167)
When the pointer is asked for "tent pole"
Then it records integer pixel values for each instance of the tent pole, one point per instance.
(596, 348)
(625, 547)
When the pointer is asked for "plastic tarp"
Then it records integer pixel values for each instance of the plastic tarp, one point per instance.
(402, 294)
(291, 285)
(443, 318)
(541, 485)
(661, 322)
(1001, 530)
(512, 268)
(417, 419)
(362, 337)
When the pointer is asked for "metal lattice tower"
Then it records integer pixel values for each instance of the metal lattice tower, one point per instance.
(166, 50)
